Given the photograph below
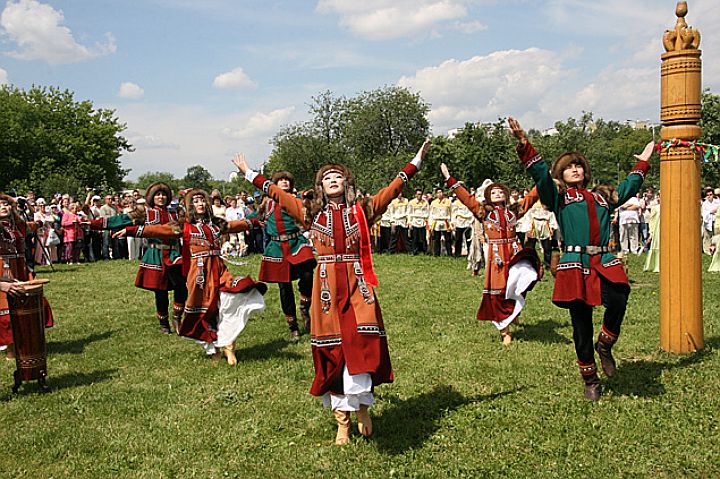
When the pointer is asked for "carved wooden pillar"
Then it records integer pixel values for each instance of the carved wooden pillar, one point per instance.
(681, 314)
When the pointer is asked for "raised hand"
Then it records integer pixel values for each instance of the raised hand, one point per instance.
(647, 152)
(424, 148)
(444, 170)
(517, 130)
(240, 162)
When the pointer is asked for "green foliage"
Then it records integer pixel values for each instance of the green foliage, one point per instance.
(50, 140)
(127, 401)
(710, 125)
(146, 179)
(197, 177)
(374, 134)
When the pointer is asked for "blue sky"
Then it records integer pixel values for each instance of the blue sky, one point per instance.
(197, 81)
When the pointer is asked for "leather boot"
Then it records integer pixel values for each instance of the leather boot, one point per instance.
(230, 354)
(506, 336)
(607, 361)
(293, 326)
(305, 312)
(591, 380)
(364, 421)
(343, 433)
(178, 310)
(164, 324)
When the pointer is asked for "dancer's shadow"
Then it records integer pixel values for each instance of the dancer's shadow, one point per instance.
(265, 351)
(77, 346)
(544, 332)
(409, 423)
(642, 377)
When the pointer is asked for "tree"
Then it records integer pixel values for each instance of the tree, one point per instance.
(197, 177)
(710, 125)
(146, 179)
(48, 140)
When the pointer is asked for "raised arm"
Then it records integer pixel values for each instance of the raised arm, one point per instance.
(292, 205)
(241, 225)
(463, 194)
(632, 183)
(111, 223)
(382, 199)
(165, 231)
(536, 166)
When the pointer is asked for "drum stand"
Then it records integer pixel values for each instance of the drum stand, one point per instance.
(42, 383)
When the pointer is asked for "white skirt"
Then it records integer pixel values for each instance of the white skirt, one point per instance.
(520, 277)
(234, 311)
(358, 391)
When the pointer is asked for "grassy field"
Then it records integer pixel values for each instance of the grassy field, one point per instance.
(127, 401)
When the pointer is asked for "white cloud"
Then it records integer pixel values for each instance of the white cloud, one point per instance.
(484, 88)
(38, 31)
(130, 90)
(389, 19)
(235, 79)
(470, 27)
(260, 123)
(150, 142)
(3, 77)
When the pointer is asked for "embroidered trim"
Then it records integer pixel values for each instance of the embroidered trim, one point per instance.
(189, 310)
(368, 329)
(638, 172)
(614, 262)
(577, 197)
(270, 259)
(266, 186)
(326, 341)
(456, 186)
(587, 369)
(533, 160)
(404, 177)
(154, 267)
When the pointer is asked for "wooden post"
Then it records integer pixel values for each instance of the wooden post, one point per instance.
(681, 314)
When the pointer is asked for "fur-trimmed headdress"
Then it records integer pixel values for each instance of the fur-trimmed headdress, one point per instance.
(318, 201)
(493, 186)
(283, 175)
(608, 192)
(154, 189)
(565, 160)
(13, 206)
(191, 216)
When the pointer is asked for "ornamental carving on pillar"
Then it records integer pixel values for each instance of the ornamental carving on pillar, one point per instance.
(682, 37)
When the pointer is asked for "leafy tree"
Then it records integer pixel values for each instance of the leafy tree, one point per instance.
(710, 125)
(197, 177)
(48, 140)
(146, 179)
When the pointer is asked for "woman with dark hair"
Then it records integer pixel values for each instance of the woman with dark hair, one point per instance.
(588, 274)
(348, 340)
(287, 257)
(510, 271)
(161, 266)
(218, 305)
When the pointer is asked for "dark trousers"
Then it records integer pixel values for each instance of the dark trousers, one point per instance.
(399, 240)
(384, 239)
(614, 299)
(303, 272)
(447, 235)
(546, 246)
(180, 292)
(419, 240)
(461, 235)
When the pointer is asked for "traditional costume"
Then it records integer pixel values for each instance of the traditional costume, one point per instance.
(218, 305)
(461, 219)
(399, 237)
(288, 256)
(161, 266)
(652, 262)
(439, 220)
(510, 270)
(418, 211)
(588, 274)
(348, 340)
(13, 231)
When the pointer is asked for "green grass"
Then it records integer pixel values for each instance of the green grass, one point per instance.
(129, 402)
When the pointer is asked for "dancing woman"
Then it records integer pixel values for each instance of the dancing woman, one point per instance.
(588, 274)
(161, 266)
(218, 305)
(349, 345)
(288, 256)
(510, 271)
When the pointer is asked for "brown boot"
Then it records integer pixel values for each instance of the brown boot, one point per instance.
(164, 323)
(178, 310)
(506, 336)
(305, 312)
(592, 381)
(364, 421)
(230, 354)
(293, 326)
(343, 433)
(607, 361)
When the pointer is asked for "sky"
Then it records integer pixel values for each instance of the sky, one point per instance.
(198, 80)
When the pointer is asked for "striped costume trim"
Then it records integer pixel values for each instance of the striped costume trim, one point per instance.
(404, 177)
(456, 186)
(533, 160)
(614, 262)
(154, 267)
(271, 259)
(190, 310)
(326, 342)
(638, 172)
(587, 369)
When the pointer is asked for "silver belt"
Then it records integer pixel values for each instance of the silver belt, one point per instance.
(587, 249)
(286, 237)
(338, 258)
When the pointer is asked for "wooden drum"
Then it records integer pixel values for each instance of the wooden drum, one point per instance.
(27, 318)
